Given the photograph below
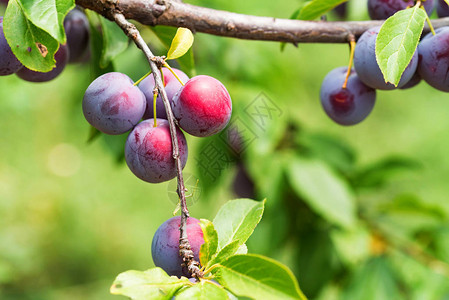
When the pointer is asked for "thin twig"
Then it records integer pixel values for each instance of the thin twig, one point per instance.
(184, 245)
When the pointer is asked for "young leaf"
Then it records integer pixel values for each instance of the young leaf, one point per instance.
(236, 220)
(227, 251)
(165, 35)
(323, 190)
(151, 284)
(114, 41)
(316, 8)
(210, 245)
(48, 15)
(203, 290)
(397, 41)
(181, 43)
(258, 277)
(34, 47)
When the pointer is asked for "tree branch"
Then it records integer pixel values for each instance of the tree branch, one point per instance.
(131, 31)
(228, 24)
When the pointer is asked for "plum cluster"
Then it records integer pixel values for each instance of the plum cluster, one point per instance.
(351, 103)
(113, 104)
(76, 50)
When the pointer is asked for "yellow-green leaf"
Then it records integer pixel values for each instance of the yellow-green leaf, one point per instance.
(397, 41)
(181, 43)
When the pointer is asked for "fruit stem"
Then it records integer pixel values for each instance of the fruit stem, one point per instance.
(428, 22)
(140, 80)
(174, 73)
(351, 58)
(185, 250)
(154, 104)
(162, 76)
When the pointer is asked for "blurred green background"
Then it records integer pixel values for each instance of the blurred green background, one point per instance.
(72, 216)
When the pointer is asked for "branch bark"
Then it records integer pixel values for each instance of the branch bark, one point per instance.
(131, 31)
(228, 24)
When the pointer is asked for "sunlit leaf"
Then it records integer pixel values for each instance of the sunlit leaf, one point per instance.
(397, 41)
(316, 8)
(27, 40)
(181, 43)
(258, 277)
(150, 284)
(48, 15)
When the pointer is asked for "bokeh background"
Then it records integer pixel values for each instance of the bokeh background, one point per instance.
(72, 216)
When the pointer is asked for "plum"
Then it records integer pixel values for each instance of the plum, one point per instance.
(350, 105)
(203, 106)
(172, 85)
(383, 9)
(149, 151)
(76, 28)
(112, 104)
(165, 245)
(366, 65)
(433, 53)
(442, 9)
(61, 57)
(9, 64)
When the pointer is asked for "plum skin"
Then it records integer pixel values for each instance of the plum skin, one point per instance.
(9, 64)
(172, 86)
(366, 66)
(203, 106)
(165, 245)
(346, 106)
(442, 9)
(61, 57)
(149, 151)
(433, 51)
(383, 9)
(112, 104)
(76, 26)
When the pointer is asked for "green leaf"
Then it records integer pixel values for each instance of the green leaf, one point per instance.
(204, 290)
(48, 15)
(34, 47)
(209, 248)
(227, 251)
(377, 174)
(165, 35)
(114, 41)
(96, 46)
(258, 277)
(181, 43)
(374, 280)
(151, 284)
(397, 41)
(324, 191)
(316, 8)
(236, 220)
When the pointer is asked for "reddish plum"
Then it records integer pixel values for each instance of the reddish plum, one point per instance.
(172, 85)
(149, 151)
(112, 104)
(203, 106)
(165, 245)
